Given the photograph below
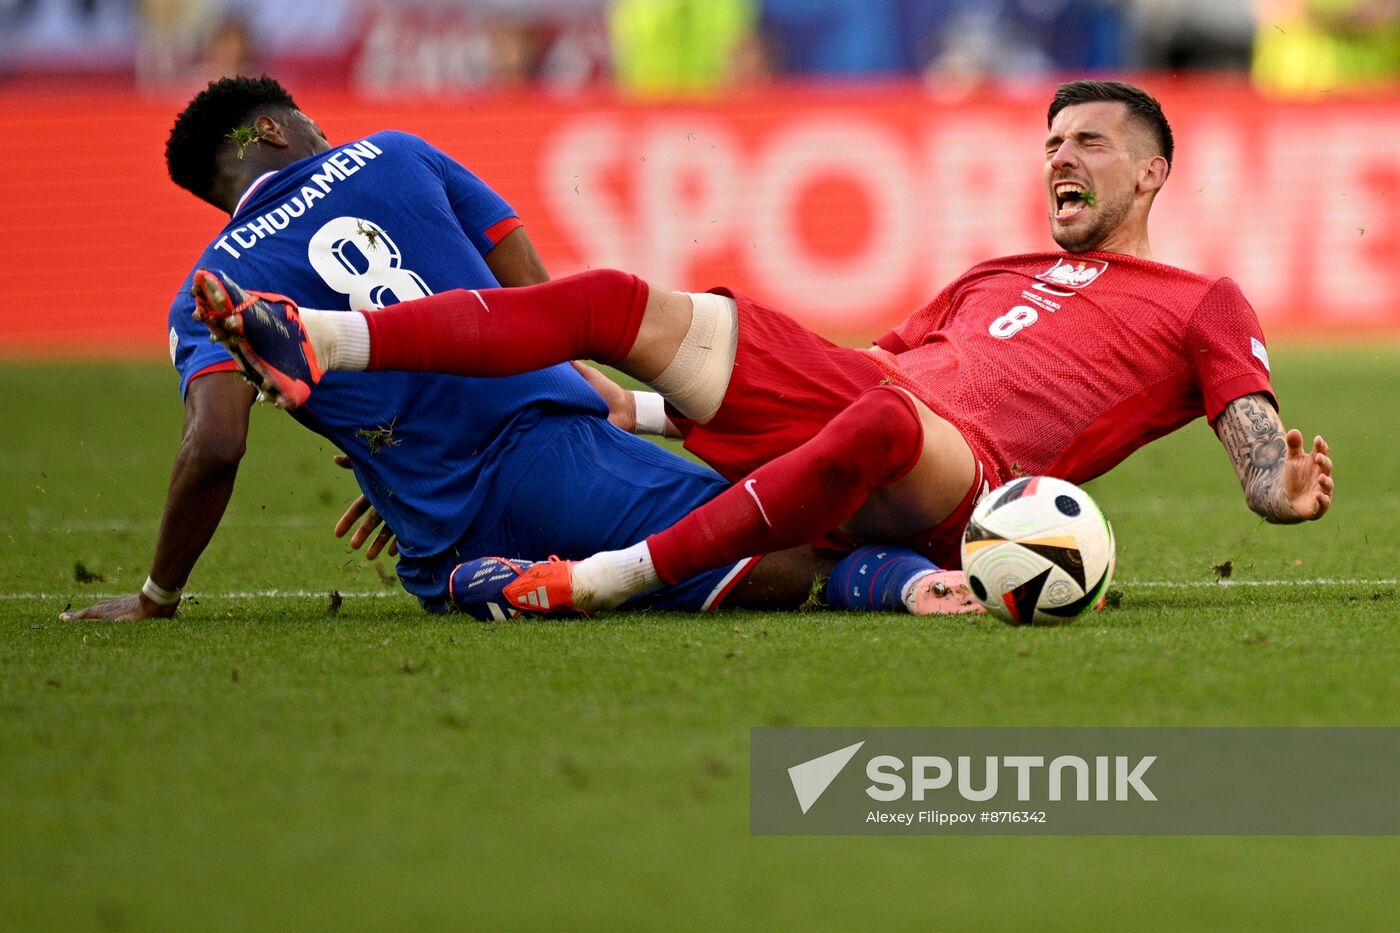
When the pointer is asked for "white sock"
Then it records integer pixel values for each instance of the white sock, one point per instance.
(610, 578)
(340, 338)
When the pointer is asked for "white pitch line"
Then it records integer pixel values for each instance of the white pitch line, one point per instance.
(1207, 584)
(237, 594)
(380, 594)
(118, 525)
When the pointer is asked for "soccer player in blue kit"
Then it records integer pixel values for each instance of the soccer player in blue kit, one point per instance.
(447, 461)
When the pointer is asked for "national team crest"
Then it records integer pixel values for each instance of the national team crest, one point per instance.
(1074, 273)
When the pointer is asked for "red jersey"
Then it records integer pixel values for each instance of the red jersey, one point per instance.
(1063, 364)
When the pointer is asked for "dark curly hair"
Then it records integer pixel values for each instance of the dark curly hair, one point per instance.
(1142, 107)
(205, 124)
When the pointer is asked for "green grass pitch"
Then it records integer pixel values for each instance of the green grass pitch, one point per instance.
(263, 763)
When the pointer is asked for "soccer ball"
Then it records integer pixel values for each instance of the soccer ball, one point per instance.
(1038, 552)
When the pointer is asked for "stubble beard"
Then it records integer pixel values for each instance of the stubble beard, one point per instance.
(1108, 218)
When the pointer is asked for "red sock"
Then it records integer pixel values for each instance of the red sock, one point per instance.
(503, 331)
(801, 495)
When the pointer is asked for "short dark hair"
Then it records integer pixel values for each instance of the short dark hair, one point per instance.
(204, 126)
(1141, 105)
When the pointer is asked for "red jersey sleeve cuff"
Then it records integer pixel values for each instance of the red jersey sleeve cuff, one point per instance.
(1226, 392)
(223, 366)
(891, 342)
(498, 231)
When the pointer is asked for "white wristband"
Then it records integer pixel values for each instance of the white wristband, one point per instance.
(651, 413)
(159, 594)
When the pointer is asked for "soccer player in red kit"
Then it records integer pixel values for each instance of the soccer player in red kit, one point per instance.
(1058, 364)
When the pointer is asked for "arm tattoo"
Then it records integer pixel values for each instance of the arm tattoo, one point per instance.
(1251, 431)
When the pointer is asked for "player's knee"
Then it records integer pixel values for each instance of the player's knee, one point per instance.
(609, 285)
(883, 416)
(878, 438)
(612, 294)
(615, 302)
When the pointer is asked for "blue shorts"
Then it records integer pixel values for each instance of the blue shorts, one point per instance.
(596, 489)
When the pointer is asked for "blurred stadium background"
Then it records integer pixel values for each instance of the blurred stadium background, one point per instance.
(841, 159)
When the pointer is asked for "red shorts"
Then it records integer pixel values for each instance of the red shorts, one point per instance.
(787, 384)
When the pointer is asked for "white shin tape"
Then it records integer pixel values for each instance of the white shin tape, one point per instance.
(696, 380)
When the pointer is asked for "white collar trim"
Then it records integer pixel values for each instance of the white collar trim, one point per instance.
(257, 183)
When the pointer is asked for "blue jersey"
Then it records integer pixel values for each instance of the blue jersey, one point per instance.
(363, 226)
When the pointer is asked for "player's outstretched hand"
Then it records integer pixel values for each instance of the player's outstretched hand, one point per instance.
(1307, 477)
(372, 520)
(122, 609)
(622, 405)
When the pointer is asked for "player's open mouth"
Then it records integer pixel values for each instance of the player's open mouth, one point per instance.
(1070, 198)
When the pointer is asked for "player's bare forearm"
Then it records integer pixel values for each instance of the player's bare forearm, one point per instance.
(201, 482)
(216, 433)
(638, 412)
(1252, 434)
(1281, 481)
